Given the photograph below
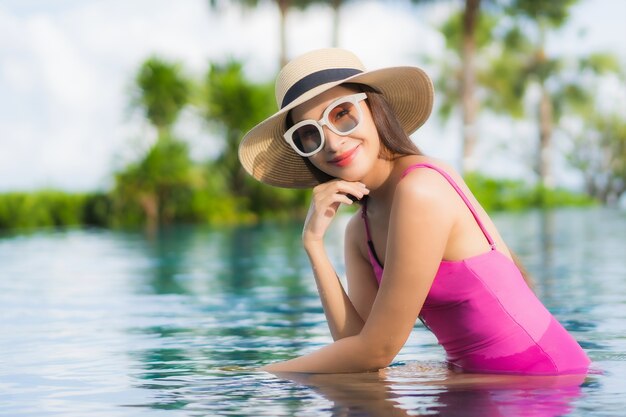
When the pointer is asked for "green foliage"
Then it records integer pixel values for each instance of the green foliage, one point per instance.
(452, 29)
(271, 202)
(599, 152)
(514, 39)
(159, 187)
(161, 91)
(214, 203)
(235, 105)
(47, 208)
(505, 78)
(210, 207)
(506, 194)
(522, 61)
(98, 210)
(448, 84)
(558, 197)
(234, 102)
(448, 87)
(166, 186)
(553, 13)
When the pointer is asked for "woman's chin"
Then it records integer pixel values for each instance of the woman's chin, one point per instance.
(350, 177)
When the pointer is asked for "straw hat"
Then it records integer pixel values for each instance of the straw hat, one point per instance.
(263, 151)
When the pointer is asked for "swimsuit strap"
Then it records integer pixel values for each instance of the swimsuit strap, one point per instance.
(459, 192)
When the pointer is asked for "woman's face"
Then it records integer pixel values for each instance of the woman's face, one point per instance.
(349, 157)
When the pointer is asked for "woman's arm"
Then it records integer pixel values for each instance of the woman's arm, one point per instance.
(362, 285)
(420, 223)
(341, 315)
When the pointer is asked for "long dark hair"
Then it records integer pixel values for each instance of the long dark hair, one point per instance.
(394, 141)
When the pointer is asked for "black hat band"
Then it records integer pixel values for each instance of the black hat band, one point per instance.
(315, 79)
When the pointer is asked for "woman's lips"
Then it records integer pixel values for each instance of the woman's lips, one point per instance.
(345, 158)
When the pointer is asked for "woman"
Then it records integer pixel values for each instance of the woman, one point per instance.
(421, 245)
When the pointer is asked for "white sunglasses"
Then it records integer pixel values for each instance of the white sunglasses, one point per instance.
(342, 117)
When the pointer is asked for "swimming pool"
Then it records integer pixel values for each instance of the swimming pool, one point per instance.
(112, 323)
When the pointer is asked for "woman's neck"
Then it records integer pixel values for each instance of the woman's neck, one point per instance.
(385, 176)
(383, 179)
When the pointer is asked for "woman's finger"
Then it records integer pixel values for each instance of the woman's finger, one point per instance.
(356, 189)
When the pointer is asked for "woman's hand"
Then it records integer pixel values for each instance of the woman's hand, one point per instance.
(327, 198)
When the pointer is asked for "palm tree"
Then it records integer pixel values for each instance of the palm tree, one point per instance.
(284, 6)
(161, 92)
(159, 180)
(599, 142)
(466, 33)
(335, 6)
(457, 82)
(468, 98)
(599, 153)
(235, 105)
(524, 64)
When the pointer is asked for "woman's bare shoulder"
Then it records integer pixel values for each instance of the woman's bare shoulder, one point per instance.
(424, 180)
(426, 190)
(438, 163)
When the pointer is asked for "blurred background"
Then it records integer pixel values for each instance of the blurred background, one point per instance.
(143, 273)
(116, 113)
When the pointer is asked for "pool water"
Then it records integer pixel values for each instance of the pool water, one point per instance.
(114, 323)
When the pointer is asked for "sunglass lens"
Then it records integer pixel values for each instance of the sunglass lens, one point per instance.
(307, 138)
(344, 117)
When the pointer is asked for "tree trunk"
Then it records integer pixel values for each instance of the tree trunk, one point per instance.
(283, 7)
(336, 5)
(468, 81)
(544, 163)
(150, 204)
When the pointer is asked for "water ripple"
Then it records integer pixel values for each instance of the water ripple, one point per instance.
(115, 323)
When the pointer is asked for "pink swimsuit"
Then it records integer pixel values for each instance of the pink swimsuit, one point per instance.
(486, 317)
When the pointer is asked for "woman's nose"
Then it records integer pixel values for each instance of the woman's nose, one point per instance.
(333, 141)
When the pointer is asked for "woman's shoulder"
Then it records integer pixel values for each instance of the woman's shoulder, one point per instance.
(424, 200)
(440, 189)
(427, 178)
(425, 164)
(427, 187)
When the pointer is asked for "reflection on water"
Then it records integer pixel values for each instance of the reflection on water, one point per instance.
(122, 324)
(396, 391)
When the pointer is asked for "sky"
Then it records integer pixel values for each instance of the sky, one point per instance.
(67, 66)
